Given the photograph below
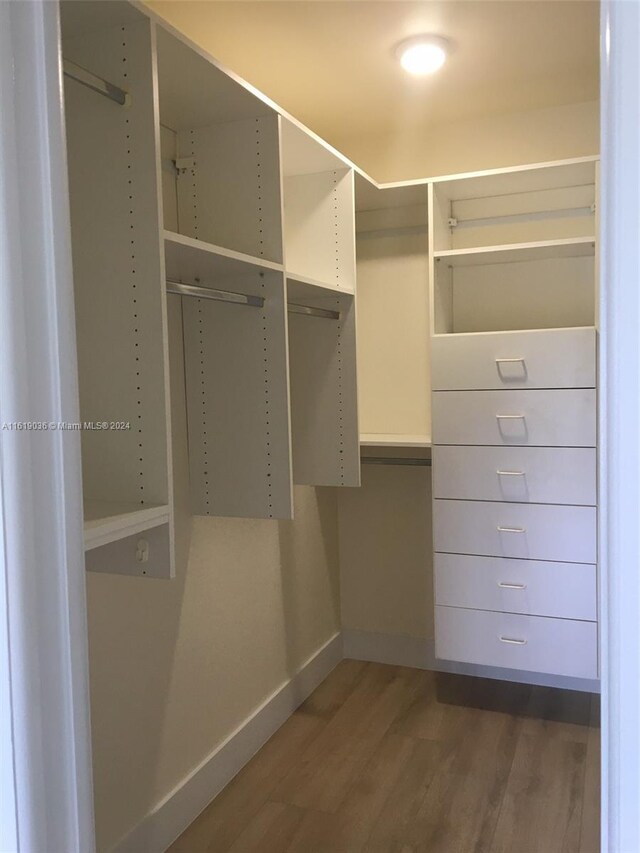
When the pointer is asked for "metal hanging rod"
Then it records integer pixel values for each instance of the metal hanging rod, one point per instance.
(396, 460)
(294, 308)
(532, 216)
(97, 84)
(197, 292)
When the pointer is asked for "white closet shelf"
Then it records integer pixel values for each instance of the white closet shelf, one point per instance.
(109, 521)
(381, 439)
(190, 260)
(515, 252)
(313, 283)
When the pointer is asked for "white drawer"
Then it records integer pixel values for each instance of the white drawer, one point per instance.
(554, 475)
(525, 531)
(547, 358)
(564, 590)
(529, 643)
(560, 418)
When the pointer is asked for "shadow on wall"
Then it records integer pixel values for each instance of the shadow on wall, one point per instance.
(176, 666)
(310, 573)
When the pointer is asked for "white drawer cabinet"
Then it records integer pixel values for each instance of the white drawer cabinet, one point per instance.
(556, 418)
(531, 643)
(554, 475)
(524, 531)
(547, 358)
(537, 588)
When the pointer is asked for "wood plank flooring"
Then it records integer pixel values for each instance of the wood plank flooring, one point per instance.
(385, 759)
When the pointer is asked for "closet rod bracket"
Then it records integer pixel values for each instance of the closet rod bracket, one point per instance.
(95, 83)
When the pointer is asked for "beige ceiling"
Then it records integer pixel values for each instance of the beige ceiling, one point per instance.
(331, 63)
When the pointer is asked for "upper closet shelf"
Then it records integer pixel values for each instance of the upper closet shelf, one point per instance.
(110, 521)
(516, 252)
(379, 439)
(314, 284)
(192, 260)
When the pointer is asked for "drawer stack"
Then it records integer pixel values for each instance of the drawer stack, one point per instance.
(515, 496)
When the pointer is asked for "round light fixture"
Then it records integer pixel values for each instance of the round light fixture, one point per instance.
(423, 54)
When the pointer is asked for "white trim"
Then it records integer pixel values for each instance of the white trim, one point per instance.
(485, 173)
(419, 653)
(181, 806)
(620, 426)
(41, 563)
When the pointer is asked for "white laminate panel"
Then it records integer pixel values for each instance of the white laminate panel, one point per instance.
(527, 531)
(541, 358)
(554, 475)
(532, 643)
(555, 418)
(534, 587)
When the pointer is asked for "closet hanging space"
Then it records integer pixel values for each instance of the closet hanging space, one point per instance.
(318, 196)
(393, 315)
(119, 293)
(222, 200)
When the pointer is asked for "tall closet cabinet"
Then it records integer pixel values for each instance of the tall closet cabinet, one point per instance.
(514, 403)
(477, 318)
(192, 194)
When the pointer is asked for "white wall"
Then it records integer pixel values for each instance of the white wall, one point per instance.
(385, 552)
(177, 665)
(393, 333)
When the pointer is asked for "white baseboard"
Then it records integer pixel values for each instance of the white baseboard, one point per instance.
(181, 806)
(420, 653)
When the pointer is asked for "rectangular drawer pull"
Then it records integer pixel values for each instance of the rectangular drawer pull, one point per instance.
(511, 529)
(508, 360)
(505, 585)
(513, 641)
(510, 417)
(510, 473)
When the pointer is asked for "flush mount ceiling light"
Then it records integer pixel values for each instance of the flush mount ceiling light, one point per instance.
(422, 54)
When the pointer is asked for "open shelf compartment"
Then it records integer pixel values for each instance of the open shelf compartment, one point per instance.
(119, 292)
(237, 399)
(323, 383)
(393, 311)
(553, 201)
(224, 168)
(319, 227)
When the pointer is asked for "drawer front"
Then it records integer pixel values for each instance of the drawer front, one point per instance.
(564, 590)
(530, 643)
(562, 418)
(554, 475)
(549, 358)
(524, 531)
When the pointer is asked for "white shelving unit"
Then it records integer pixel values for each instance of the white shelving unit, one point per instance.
(119, 293)
(226, 156)
(318, 196)
(185, 188)
(320, 271)
(513, 249)
(514, 366)
(393, 315)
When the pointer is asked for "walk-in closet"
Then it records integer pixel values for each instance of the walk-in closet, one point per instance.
(340, 443)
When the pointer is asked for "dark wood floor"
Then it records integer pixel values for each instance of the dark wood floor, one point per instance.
(394, 760)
